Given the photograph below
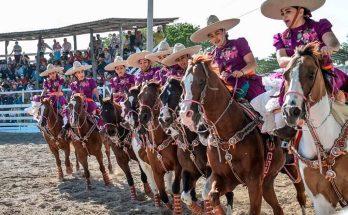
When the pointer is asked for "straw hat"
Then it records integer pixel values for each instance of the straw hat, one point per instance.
(213, 24)
(117, 62)
(133, 60)
(77, 67)
(163, 49)
(178, 51)
(272, 8)
(51, 68)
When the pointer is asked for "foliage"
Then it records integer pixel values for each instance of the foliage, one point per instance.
(267, 65)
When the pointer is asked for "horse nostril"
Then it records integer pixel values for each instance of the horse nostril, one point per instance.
(189, 113)
(144, 117)
(295, 111)
(161, 114)
(292, 102)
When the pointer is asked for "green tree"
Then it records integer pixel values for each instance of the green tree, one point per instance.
(267, 65)
(341, 56)
(180, 33)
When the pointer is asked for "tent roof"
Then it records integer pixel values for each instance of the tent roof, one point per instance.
(99, 26)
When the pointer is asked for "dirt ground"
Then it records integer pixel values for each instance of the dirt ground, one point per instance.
(29, 185)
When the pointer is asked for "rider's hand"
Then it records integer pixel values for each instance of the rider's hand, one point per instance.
(237, 73)
(225, 75)
(326, 50)
(340, 96)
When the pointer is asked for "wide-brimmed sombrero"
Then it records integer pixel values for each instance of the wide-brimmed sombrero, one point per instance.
(163, 49)
(77, 66)
(272, 8)
(117, 62)
(51, 68)
(213, 24)
(178, 51)
(133, 60)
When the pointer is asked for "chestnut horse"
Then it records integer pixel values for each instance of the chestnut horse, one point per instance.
(86, 138)
(160, 149)
(120, 141)
(237, 152)
(192, 154)
(51, 126)
(323, 145)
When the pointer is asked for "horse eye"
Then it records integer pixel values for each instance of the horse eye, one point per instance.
(201, 83)
(311, 76)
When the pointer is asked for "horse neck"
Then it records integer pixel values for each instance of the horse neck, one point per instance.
(325, 126)
(84, 124)
(158, 135)
(54, 122)
(232, 120)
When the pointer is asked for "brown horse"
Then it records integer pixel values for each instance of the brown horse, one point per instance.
(192, 154)
(160, 149)
(50, 125)
(86, 138)
(120, 138)
(237, 152)
(322, 148)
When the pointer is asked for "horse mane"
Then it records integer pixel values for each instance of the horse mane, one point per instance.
(135, 89)
(174, 81)
(45, 100)
(313, 49)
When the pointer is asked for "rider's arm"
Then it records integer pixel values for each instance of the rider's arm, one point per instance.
(282, 58)
(331, 43)
(250, 64)
(44, 91)
(96, 92)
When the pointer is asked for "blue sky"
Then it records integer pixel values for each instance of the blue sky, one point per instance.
(257, 29)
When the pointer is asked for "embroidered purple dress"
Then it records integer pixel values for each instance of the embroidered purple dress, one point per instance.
(230, 58)
(120, 84)
(165, 72)
(52, 87)
(308, 32)
(86, 87)
(146, 76)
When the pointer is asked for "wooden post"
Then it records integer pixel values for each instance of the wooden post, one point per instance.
(149, 39)
(91, 48)
(75, 43)
(6, 52)
(121, 41)
(38, 62)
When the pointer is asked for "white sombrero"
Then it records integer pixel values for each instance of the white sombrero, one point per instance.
(163, 49)
(272, 8)
(117, 62)
(51, 68)
(133, 60)
(178, 51)
(213, 24)
(77, 66)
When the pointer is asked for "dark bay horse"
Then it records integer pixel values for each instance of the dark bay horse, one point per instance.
(160, 149)
(192, 154)
(120, 140)
(51, 126)
(86, 138)
(322, 148)
(236, 150)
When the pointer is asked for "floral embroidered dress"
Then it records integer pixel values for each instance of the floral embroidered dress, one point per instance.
(230, 58)
(85, 87)
(165, 72)
(308, 32)
(52, 87)
(146, 76)
(120, 84)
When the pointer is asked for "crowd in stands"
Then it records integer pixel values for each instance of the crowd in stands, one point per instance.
(19, 72)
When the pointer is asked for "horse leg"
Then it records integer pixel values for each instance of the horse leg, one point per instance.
(99, 156)
(168, 178)
(294, 175)
(77, 162)
(107, 152)
(82, 158)
(143, 177)
(229, 199)
(159, 180)
(68, 165)
(215, 193)
(55, 152)
(188, 195)
(176, 190)
(205, 194)
(255, 194)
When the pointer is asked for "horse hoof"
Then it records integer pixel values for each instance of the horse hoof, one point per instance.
(196, 207)
(169, 206)
(218, 210)
(147, 190)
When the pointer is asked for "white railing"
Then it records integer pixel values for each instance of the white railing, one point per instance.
(13, 118)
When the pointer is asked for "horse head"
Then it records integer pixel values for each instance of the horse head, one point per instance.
(149, 102)
(110, 112)
(77, 107)
(170, 98)
(130, 107)
(305, 82)
(45, 110)
(201, 85)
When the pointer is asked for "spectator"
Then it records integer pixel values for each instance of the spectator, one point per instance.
(66, 47)
(115, 44)
(107, 56)
(56, 50)
(25, 59)
(139, 40)
(19, 70)
(17, 50)
(43, 47)
(51, 58)
(78, 56)
(158, 36)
